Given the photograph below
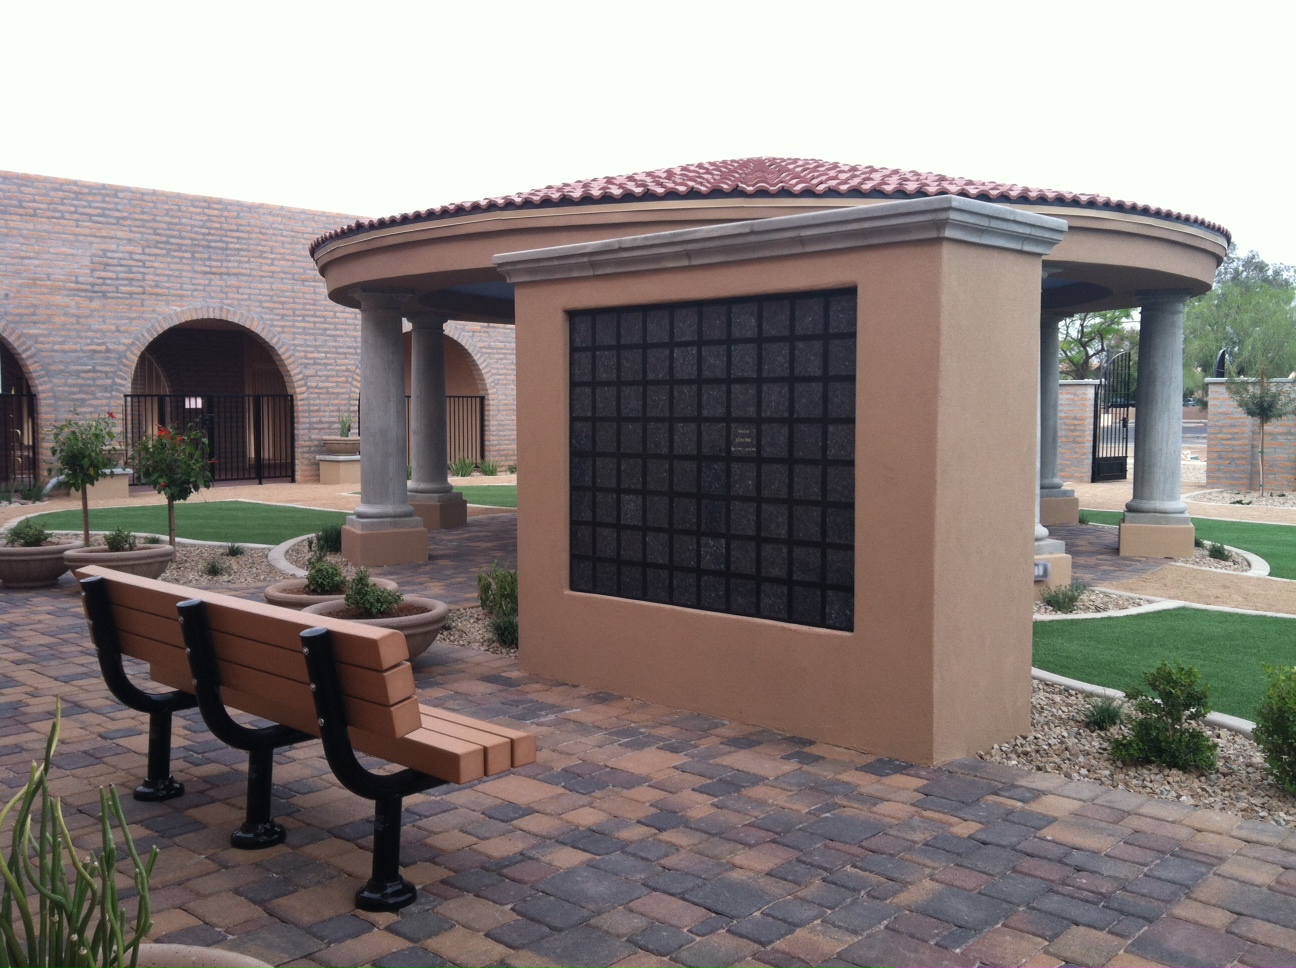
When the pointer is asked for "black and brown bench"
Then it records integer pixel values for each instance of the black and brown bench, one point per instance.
(308, 676)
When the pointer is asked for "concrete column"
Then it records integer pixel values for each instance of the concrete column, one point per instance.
(1058, 504)
(1049, 552)
(435, 502)
(383, 530)
(1156, 522)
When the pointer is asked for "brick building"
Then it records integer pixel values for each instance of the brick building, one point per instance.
(1233, 444)
(108, 291)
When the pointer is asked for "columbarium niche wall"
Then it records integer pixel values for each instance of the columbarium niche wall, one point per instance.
(920, 647)
(713, 455)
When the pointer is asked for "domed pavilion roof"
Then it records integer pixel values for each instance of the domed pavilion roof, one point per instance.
(770, 177)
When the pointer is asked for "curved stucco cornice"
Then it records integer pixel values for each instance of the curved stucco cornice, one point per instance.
(157, 326)
(1123, 251)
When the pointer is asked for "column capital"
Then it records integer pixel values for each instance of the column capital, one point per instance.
(380, 298)
(1161, 297)
(427, 320)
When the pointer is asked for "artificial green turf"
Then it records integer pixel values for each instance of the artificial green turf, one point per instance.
(1275, 543)
(243, 521)
(492, 495)
(1228, 649)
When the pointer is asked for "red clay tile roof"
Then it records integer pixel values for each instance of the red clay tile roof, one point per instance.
(783, 177)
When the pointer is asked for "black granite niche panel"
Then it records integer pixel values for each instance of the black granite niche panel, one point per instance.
(713, 455)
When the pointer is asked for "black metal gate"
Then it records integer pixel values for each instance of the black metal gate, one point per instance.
(1112, 406)
(465, 428)
(18, 441)
(251, 436)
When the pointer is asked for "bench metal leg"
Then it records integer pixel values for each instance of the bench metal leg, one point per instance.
(386, 890)
(159, 784)
(259, 830)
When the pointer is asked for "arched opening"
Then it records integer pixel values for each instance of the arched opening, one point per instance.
(224, 378)
(19, 461)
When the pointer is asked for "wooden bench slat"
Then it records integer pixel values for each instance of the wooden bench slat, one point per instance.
(450, 759)
(523, 745)
(366, 646)
(498, 752)
(241, 686)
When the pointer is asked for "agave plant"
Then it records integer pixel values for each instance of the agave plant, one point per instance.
(55, 908)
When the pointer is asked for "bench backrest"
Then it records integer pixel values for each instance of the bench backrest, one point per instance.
(263, 671)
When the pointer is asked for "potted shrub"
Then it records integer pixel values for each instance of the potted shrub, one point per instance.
(82, 452)
(122, 551)
(419, 619)
(324, 582)
(58, 909)
(343, 445)
(30, 557)
(175, 465)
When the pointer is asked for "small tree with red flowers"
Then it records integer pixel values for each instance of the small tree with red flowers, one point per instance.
(175, 465)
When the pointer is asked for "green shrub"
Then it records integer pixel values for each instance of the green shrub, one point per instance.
(1103, 712)
(370, 600)
(1162, 732)
(1084, 518)
(234, 550)
(328, 540)
(1275, 731)
(215, 568)
(512, 468)
(489, 468)
(1064, 598)
(119, 539)
(1198, 542)
(26, 534)
(1218, 551)
(325, 578)
(152, 539)
(505, 628)
(461, 467)
(497, 590)
(35, 491)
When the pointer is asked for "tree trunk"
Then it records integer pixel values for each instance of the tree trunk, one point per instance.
(1262, 482)
(85, 516)
(171, 520)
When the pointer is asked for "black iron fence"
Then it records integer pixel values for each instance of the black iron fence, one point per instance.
(251, 436)
(1112, 405)
(18, 440)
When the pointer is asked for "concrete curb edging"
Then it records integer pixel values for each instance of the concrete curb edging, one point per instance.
(1221, 720)
(278, 556)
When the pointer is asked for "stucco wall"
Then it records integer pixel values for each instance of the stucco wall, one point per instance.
(938, 663)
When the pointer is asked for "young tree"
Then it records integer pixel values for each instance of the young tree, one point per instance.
(1087, 340)
(175, 465)
(82, 453)
(1263, 402)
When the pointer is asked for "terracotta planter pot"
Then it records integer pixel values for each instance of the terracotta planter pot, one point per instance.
(193, 956)
(293, 594)
(147, 561)
(342, 446)
(419, 630)
(33, 567)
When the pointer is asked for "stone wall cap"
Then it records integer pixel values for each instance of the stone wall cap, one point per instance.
(946, 217)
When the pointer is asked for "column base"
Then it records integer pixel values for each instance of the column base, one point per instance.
(1059, 510)
(1060, 573)
(399, 545)
(438, 515)
(1156, 540)
(339, 470)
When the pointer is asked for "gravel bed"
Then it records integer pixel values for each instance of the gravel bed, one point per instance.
(189, 567)
(1095, 601)
(1201, 559)
(1274, 499)
(1061, 743)
(470, 628)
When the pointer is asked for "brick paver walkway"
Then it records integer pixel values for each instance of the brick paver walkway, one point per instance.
(648, 835)
(1095, 555)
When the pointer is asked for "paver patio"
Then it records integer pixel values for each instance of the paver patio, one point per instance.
(647, 835)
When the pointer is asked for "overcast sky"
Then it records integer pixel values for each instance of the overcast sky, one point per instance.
(381, 107)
